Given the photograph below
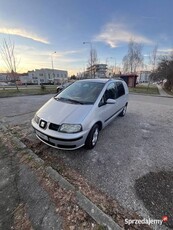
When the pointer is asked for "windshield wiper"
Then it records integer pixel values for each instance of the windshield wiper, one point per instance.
(68, 99)
(74, 101)
(61, 98)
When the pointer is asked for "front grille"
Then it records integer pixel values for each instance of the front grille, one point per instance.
(53, 126)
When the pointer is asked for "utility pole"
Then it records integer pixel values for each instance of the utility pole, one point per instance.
(53, 66)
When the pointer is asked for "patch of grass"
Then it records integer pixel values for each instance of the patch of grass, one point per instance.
(27, 91)
(144, 89)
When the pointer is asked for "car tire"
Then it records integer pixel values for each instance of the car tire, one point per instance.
(92, 137)
(123, 113)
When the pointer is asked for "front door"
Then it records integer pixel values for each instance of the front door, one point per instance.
(107, 111)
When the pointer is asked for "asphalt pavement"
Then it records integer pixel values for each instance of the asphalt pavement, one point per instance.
(129, 150)
(19, 188)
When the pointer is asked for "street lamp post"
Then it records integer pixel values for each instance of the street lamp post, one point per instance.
(52, 65)
(90, 56)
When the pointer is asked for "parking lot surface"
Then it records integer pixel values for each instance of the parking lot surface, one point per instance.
(132, 160)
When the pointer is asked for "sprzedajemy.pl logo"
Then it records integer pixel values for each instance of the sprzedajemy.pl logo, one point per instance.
(147, 221)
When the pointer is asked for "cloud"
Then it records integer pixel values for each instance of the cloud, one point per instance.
(72, 52)
(67, 52)
(33, 51)
(164, 37)
(23, 33)
(35, 58)
(113, 34)
(165, 50)
(31, 57)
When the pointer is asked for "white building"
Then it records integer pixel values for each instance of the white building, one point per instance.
(55, 76)
(97, 71)
(8, 77)
(25, 79)
(144, 76)
(3, 77)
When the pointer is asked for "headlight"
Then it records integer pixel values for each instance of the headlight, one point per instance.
(36, 119)
(69, 128)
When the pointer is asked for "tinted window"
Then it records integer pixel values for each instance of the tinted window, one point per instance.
(120, 89)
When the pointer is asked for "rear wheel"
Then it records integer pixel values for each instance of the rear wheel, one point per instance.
(122, 114)
(92, 137)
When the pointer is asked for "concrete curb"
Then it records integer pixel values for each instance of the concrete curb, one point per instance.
(152, 95)
(98, 215)
(22, 95)
(58, 178)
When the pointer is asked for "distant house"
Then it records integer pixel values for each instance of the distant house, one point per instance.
(9, 77)
(25, 79)
(130, 79)
(40, 76)
(144, 76)
(3, 77)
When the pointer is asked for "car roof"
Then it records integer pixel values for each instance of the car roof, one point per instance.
(102, 80)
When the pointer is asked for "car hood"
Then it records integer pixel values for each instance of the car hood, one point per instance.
(59, 112)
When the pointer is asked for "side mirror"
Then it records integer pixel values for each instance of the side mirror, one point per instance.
(110, 101)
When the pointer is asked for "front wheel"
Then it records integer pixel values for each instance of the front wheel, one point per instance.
(92, 137)
(122, 114)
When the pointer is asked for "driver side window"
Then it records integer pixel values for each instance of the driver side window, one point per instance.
(110, 93)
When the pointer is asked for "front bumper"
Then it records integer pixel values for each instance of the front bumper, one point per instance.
(61, 141)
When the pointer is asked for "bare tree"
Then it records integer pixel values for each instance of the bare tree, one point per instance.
(92, 60)
(134, 58)
(153, 58)
(10, 59)
(153, 63)
(93, 57)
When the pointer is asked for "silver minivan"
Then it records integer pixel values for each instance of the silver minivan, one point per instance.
(74, 117)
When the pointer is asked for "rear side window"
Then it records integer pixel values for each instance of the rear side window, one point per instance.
(120, 89)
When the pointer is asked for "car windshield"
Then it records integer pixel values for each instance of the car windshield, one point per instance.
(66, 84)
(83, 92)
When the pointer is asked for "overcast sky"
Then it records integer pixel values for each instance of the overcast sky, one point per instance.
(40, 27)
